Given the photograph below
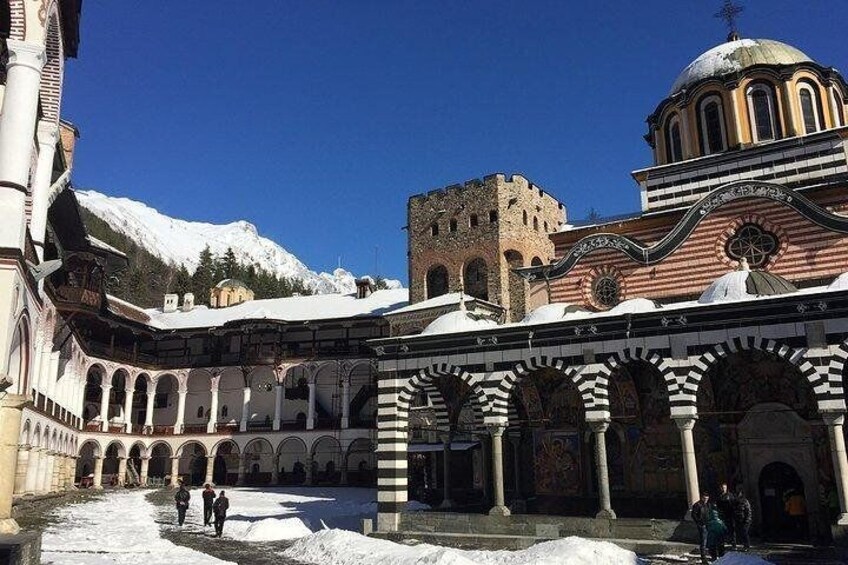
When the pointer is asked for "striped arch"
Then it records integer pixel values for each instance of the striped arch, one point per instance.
(618, 359)
(836, 370)
(425, 383)
(50, 92)
(796, 357)
(17, 20)
(478, 399)
(501, 401)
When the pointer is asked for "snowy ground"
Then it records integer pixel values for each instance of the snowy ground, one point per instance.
(274, 526)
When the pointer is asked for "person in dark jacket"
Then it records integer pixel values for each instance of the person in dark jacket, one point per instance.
(208, 500)
(742, 518)
(716, 532)
(700, 515)
(181, 498)
(725, 505)
(220, 507)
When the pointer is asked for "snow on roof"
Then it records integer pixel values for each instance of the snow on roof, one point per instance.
(635, 306)
(440, 301)
(839, 283)
(744, 284)
(105, 246)
(458, 321)
(555, 312)
(291, 309)
(737, 55)
(230, 283)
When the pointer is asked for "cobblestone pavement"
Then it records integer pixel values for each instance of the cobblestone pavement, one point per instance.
(33, 514)
(243, 553)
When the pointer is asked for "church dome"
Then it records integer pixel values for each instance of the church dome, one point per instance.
(230, 283)
(734, 56)
(458, 321)
(745, 284)
(635, 306)
(553, 313)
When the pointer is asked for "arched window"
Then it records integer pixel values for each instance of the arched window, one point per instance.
(200, 411)
(472, 220)
(713, 134)
(476, 279)
(535, 223)
(434, 229)
(437, 281)
(524, 217)
(18, 363)
(763, 113)
(809, 100)
(452, 225)
(840, 109)
(225, 411)
(673, 140)
(493, 216)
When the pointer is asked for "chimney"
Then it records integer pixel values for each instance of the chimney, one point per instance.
(188, 302)
(364, 287)
(170, 304)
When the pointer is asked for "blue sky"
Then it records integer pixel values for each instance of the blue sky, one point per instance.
(317, 120)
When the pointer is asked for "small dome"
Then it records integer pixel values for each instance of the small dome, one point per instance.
(745, 285)
(230, 283)
(635, 306)
(735, 56)
(553, 313)
(839, 283)
(458, 321)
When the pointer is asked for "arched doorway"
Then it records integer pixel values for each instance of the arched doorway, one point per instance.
(781, 489)
(437, 281)
(292, 461)
(475, 278)
(225, 469)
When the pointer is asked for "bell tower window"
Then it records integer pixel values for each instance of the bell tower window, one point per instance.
(840, 109)
(674, 142)
(761, 108)
(713, 135)
(809, 108)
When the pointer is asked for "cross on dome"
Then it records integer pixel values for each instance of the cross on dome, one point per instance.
(729, 12)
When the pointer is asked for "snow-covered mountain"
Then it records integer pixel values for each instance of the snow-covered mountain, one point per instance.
(180, 242)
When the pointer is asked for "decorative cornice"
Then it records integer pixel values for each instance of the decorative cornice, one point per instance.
(648, 255)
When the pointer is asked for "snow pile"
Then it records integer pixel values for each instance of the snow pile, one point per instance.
(118, 529)
(458, 321)
(180, 242)
(839, 283)
(635, 306)
(337, 547)
(734, 558)
(266, 529)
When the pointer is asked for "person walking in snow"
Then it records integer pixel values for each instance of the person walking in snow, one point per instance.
(181, 498)
(220, 507)
(725, 505)
(700, 515)
(716, 530)
(208, 501)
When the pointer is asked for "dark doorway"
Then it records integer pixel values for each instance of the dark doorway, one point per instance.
(219, 471)
(198, 470)
(783, 504)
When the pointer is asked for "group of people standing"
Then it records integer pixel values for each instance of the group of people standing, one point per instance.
(212, 506)
(726, 521)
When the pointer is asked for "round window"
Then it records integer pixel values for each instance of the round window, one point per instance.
(607, 291)
(753, 243)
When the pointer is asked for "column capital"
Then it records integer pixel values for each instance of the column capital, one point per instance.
(685, 423)
(833, 418)
(25, 54)
(599, 426)
(24, 447)
(47, 133)
(496, 429)
(446, 437)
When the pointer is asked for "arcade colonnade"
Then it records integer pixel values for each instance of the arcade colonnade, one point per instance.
(402, 380)
(248, 459)
(228, 398)
(47, 455)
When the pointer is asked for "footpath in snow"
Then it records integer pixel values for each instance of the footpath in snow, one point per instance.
(118, 529)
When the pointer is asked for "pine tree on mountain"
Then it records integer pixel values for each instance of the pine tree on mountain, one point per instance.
(182, 281)
(204, 277)
(229, 264)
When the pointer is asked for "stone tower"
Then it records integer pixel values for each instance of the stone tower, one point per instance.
(470, 236)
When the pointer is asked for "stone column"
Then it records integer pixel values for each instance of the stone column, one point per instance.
(308, 479)
(446, 483)
(32, 470)
(835, 422)
(148, 416)
(245, 409)
(21, 469)
(175, 472)
(499, 508)
(275, 471)
(47, 135)
(181, 400)
(343, 477)
(278, 406)
(128, 402)
(43, 463)
(122, 471)
(104, 406)
(17, 124)
(346, 403)
(210, 469)
(792, 127)
(98, 473)
(310, 415)
(602, 471)
(212, 426)
(241, 466)
(145, 467)
(690, 464)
